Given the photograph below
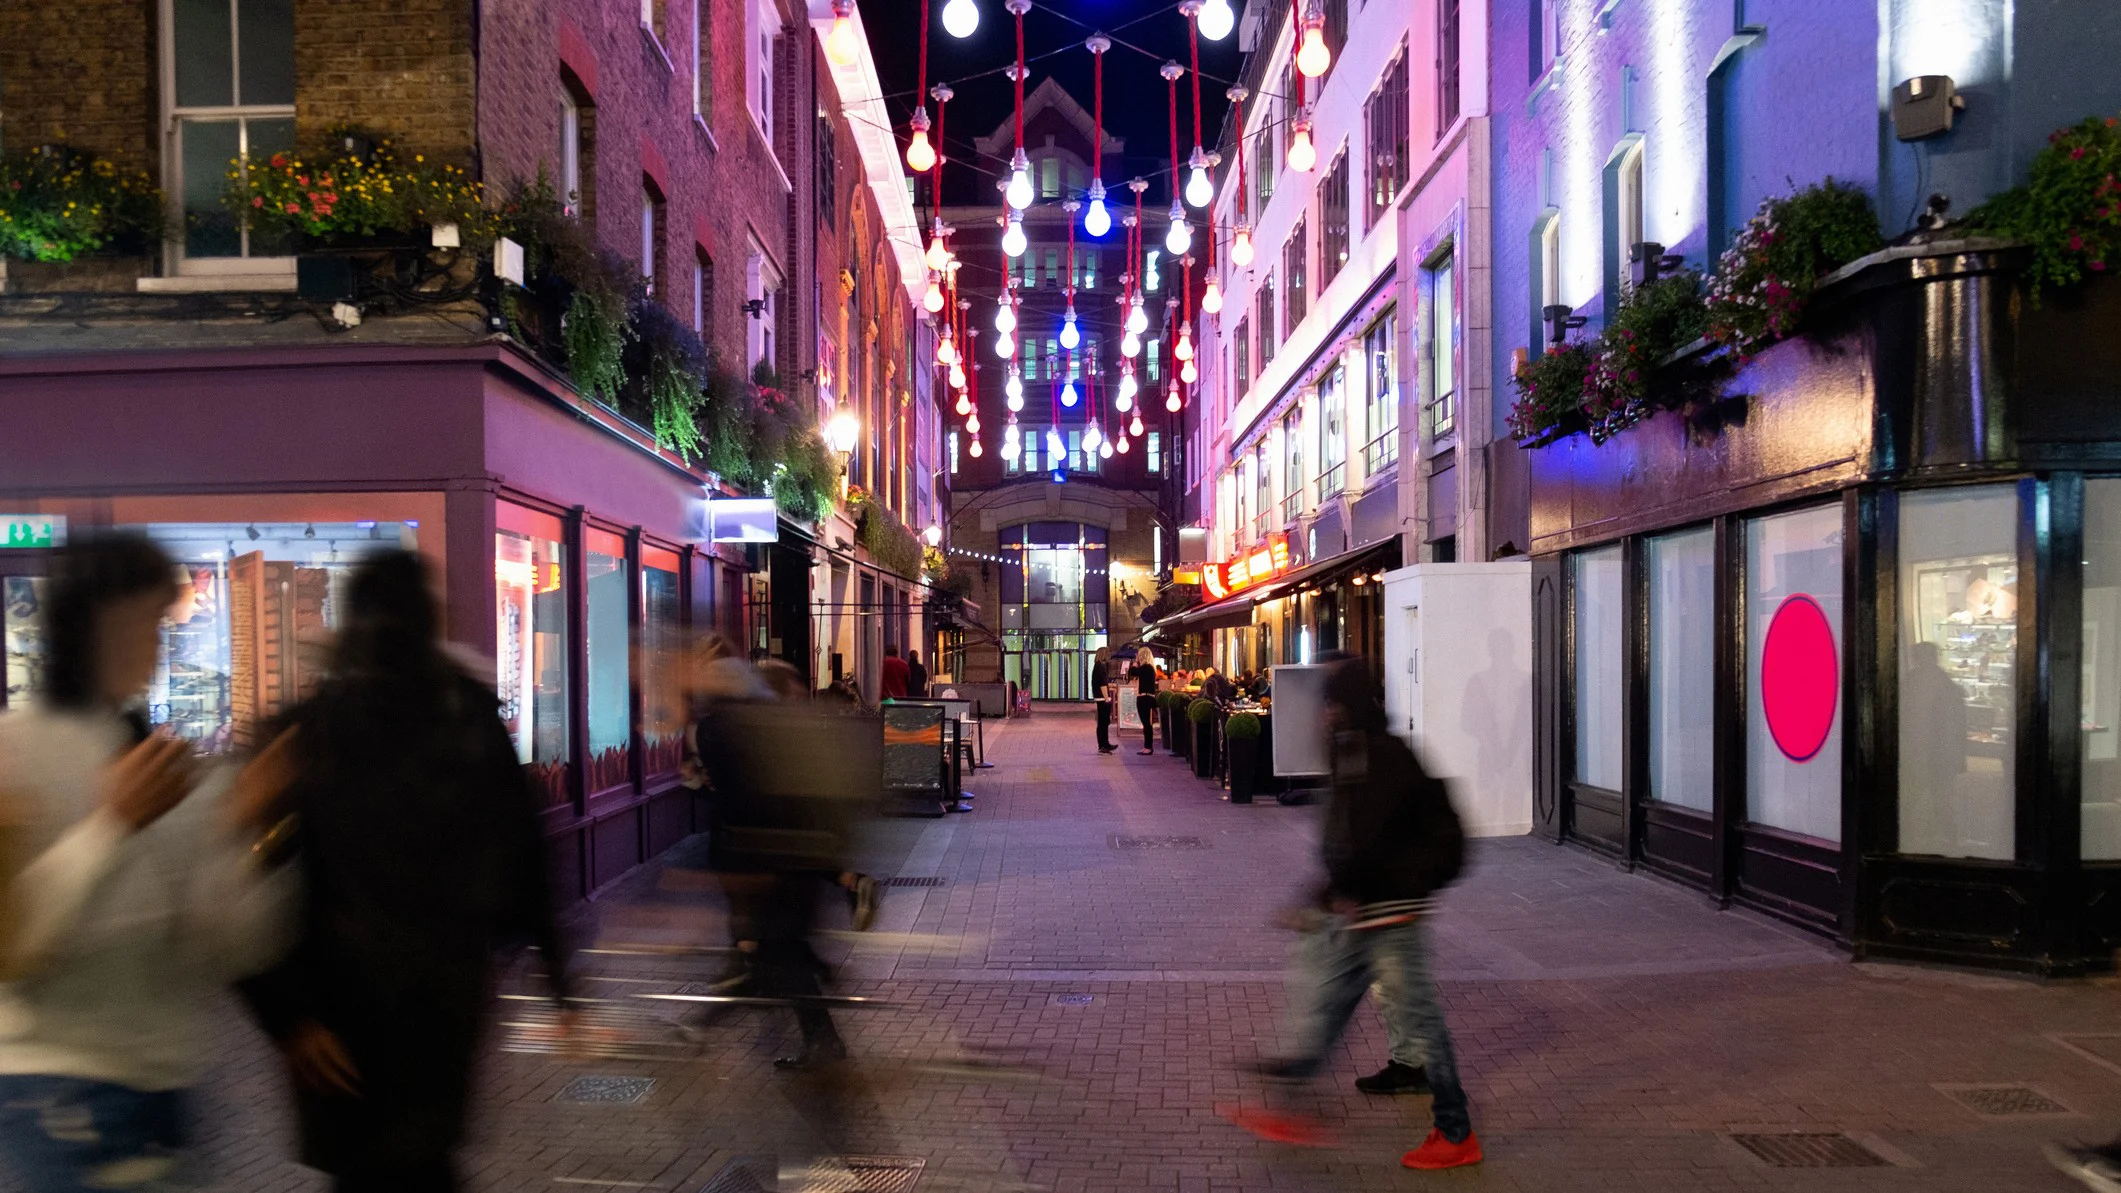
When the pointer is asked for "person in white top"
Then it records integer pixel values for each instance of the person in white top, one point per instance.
(129, 891)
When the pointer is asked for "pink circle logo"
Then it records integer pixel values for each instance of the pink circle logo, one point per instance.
(1800, 678)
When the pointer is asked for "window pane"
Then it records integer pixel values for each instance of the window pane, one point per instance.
(262, 138)
(209, 229)
(662, 697)
(1793, 711)
(265, 42)
(1958, 676)
(205, 58)
(1682, 571)
(530, 584)
(610, 718)
(1440, 340)
(1599, 693)
(2102, 671)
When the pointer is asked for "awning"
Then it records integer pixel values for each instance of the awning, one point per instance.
(1236, 609)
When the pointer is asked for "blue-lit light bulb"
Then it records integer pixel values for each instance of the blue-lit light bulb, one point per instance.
(1070, 335)
(1097, 219)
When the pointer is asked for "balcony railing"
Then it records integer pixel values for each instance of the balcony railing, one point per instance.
(1262, 524)
(1291, 506)
(1381, 453)
(1332, 481)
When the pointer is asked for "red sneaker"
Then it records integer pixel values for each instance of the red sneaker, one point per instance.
(1438, 1152)
(1277, 1127)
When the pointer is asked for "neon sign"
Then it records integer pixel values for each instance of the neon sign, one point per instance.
(1262, 563)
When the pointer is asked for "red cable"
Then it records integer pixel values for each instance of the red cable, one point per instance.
(1097, 135)
(1237, 112)
(1019, 80)
(1193, 42)
(921, 96)
(1171, 86)
(939, 106)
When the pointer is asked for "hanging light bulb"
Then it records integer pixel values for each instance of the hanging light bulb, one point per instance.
(1009, 449)
(1090, 437)
(932, 301)
(1005, 345)
(1216, 19)
(1123, 445)
(920, 155)
(1013, 241)
(938, 258)
(1014, 388)
(1070, 335)
(1180, 237)
(1096, 219)
(1069, 397)
(1211, 296)
(1313, 58)
(1199, 189)
(1104, 449)
(957, 375)
(1302, 154)
(1005, 318)
(1018, 194)
(1130, 345)
(1053, 442)
(960, 18)
(1184, 349)
(1135, 428)
(1189, 372)
(1137, 319)
(1127, 389)
(1241, 246)
(843, 45)
(972, 423)
(964, 404)
(976, 451)
(946, 349)
(1171, 400)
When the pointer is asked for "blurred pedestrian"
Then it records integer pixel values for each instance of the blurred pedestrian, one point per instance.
(131, 890)
(1101, 693)
(1391, 840)
(422, 854)
(1143, 673)
(893, 677)
(788, 687)
(916, 677)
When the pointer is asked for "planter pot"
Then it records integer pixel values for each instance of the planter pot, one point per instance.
(1203, 748)
(1243, 765)
(1178, 735)
(83, 275)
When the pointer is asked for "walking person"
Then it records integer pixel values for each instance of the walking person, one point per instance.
(1144, 675)
(131, 892)
(1101, 692)
(1391, 840)
(916, 677)
(421, 852)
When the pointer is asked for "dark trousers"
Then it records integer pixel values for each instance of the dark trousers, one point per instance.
(787, 966)
(1146, 706)
(1104, 723)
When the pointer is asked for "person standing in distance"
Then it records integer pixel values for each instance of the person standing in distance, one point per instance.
(1144, 676)
(916, 677)
(1101, 692)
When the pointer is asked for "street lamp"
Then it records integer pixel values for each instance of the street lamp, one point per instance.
(843, 432)
(934, 535)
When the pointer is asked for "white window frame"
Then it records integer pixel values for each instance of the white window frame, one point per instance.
(570, 153)
(1627, 202)
(699, 296)
(699, 78)
(1550, 263)
(649, 238)
(761, 282)
(276, 271)
(762, 25)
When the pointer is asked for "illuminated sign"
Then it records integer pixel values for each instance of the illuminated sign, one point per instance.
(1183, 576)
(742, 520)
(24, 531)
(1262, 563)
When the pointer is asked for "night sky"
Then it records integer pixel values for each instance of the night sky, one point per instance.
(1136, 106)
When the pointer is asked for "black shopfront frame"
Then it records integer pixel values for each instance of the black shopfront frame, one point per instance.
(2042, 414)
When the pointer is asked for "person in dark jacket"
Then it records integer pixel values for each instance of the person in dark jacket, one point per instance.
(1101, 694)
(1391, 841)
(916, 677)
(421, 854)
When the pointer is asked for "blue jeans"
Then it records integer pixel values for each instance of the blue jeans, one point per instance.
(65, 1134)
(1335, 966)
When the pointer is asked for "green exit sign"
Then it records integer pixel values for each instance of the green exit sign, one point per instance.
(20, 532)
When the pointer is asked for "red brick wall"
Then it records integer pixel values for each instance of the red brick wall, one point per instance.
(80, 74)
(402, 68)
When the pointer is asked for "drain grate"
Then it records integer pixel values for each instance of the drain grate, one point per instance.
(606, 1089)
(1119, 842)
(1809, 1151)
(914, 880)
(2004, 1101)
(849, 1174)
(1072, 1000)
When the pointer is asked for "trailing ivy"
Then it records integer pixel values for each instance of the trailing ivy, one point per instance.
(885, 537)
(2069, 207)
(596, 334)
(668, 368)
(1764, 281)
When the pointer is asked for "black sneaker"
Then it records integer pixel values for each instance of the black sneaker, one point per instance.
(813, 1056)
(1395, 1078)
(2093, 1167)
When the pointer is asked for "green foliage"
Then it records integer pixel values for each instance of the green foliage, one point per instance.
(957, 583)
(2068, 209)
(355, 192)
(1242, 726)
(886, 538)
(1200, 711)
(57, 205)
(669, 365)
(804, 486)
(1550, 395)
(1654, 321)
(1172, 701)
(1764, 281)
(596, 334)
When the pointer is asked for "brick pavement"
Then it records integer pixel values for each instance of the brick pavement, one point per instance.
(1614, 1029)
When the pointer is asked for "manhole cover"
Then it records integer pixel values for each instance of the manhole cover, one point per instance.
(1119, 842)
(598, 1087)
(849, 1174)
(914, 880)
(2003, 1101)
(1072, 1000)
(1809, 1151)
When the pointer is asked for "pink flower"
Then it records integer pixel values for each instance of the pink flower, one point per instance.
(2076, 244)
(301, 180)
(2076, 154)
(279, 159)
(257, 201)
(294, 208)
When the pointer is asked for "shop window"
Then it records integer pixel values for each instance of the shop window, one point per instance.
(1958, 671)
(662, 635)
(1380, 349)
(530, 586)
(1600, 691)
(1682, 579)
(231, 87)
(22, 638)
(1793, 672)
(2101, 796)
(610, 685)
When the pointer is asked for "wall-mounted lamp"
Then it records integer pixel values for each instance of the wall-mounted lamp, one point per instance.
(1648, 261)
(754, 307)
(1925, 106)
(843, 432)
(1560, 322)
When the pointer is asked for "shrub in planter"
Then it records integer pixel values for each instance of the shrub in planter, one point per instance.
(59, 205)
(1241, 738)
(1549, 402)
(1654, 320)
(2068, 208)
(1199, 710)
(1764, 281)
(1201, 715)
